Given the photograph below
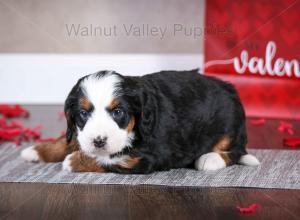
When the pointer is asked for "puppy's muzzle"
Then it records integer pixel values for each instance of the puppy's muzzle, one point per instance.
(100, 142)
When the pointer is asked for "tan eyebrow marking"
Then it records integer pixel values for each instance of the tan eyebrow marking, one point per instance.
(114, 103)
(85, 103)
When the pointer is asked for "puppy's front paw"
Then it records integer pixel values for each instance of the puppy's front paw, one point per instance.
(210, 161)
(30, 154)
(66, 165)
(79, 162)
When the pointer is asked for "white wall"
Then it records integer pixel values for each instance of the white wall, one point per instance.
(47, 78)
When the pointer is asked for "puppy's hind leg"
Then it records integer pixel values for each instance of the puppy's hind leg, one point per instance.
(53, 151)
(248, 160)
(224, 155)
(210, 161)
(217, 159)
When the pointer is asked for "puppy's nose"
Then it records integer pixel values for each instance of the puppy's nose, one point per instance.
(100, 142)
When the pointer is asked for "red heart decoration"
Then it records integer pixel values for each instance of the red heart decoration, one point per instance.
(290, 36)
(268, 98)
(240, 9)
(290, 99)
(265, 30)
(248, 95)
(240, 27)
(221, 3)
(289, 90)
(288, 3)
(289, 18)
(221, 17)
(264, 10)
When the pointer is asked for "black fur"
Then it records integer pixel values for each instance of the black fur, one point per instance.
(179, 116)
(72, 110)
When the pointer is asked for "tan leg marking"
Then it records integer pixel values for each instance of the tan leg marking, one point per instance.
(57, 150)
(80, 162)
(130, 125)
(130, 162)
(222, 147)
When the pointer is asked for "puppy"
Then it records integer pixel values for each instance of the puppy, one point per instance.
(160, 121)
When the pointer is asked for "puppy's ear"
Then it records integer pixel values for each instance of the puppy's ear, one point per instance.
(143, 102)
(149, 113)
(70, 107)
(71, 128)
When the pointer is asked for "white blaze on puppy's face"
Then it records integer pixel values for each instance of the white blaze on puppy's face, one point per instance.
(101, 92)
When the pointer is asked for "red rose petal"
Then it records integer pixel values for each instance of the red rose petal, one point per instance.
(249, 209)
(291, 142)
(286, 127)
(11, 111)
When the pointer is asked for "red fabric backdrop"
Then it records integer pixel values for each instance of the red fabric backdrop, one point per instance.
(256, 46)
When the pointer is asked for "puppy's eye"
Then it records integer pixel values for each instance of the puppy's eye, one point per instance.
(117, 113)
(83, 114)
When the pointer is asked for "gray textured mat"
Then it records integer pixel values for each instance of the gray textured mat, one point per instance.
(279, 169)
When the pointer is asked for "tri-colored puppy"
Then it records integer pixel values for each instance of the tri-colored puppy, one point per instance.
(143, 124)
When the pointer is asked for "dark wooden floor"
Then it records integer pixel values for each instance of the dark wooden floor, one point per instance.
(73, 201)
